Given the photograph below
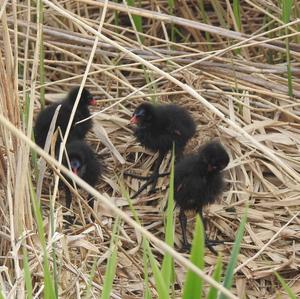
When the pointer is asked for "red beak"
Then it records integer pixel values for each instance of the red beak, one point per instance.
(134, 120)
(92, 102)
(75, 170)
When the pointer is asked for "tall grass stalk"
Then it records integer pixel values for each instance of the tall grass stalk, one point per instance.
(147, 292)
(297, 16)
(111, 267)
(229, 274)
(49, 289)
(160, 282)
(286, 15)
(171, 4)
(40, 10)
(217, 275)
(152, 86)
(206, 21)
(27, 274)
(236, 12)
(162, 288)
(168, 262)
(137, 21)
(237, 17)
(193, 283)
(220, 12)
(285, 286)
(26, 122)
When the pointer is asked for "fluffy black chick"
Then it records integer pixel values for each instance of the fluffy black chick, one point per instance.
(83, 162)
(198, 181)
(78, 131)
(157, 128)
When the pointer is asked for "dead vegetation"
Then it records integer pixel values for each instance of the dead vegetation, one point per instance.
(236, 87)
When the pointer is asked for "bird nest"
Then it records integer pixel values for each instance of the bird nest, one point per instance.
(233, 94)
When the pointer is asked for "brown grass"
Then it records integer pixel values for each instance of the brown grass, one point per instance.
(242, 99)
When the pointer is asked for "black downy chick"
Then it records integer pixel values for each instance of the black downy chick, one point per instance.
(83, 162)
(77, 131)
(198, 181)
(158, 127)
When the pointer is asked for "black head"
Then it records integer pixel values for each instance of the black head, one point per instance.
(214, 156)
(76, 165)
(85, 99)
(77, 152)
(143, 114)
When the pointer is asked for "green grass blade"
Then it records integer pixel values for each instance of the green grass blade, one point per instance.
(168, 262)
(116, 15)
(161, 286)
(25, 114)
(49, 290)
(236, 12)
(213, 292)
(206, 21)
(220, 12)
(286, 15)
(137, 20)
(289, 71)
(112, 262)
(296, 14)
(42, 55)
(234, 255)
(285, 286)
(171, 4)
(146, 248)
(286, 10)
(90, 281)
(147, 292)
(26, 109)
(27, 274)
(153, 87)
(193, 283)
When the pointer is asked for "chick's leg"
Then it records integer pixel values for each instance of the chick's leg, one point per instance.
(152, 180)
(68, 218)
(155, 173)
(183, 222)
(209, 243)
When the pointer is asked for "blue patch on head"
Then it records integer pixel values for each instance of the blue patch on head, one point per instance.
(75, 164)
(141, 112)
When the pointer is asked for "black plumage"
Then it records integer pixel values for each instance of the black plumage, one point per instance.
(158, 128)
(84, 163)
(198, 181)
(77, 131)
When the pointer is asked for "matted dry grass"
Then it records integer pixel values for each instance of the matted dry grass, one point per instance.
(243, 101)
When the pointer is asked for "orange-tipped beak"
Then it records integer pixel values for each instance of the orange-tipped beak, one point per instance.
(134, 120)
(92, 102)
(75, 171)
